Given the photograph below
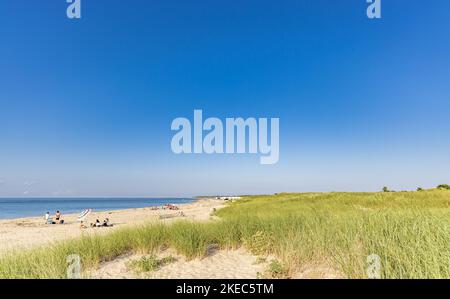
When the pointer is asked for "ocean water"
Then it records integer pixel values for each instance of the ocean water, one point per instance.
(27, 207)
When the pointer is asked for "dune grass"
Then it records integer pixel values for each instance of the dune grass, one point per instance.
(150, 263)
(409, 231)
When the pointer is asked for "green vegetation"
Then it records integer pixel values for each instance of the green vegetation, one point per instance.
(276, 270)
(410, 231)
(259, 244)
(150, 263)
(444, 187)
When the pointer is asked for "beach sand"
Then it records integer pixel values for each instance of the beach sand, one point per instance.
(220, 264)
(22, 233)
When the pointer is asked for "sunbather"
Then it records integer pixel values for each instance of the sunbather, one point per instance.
(58, 218)
(96, 224)
(82, 224)
(106, 223)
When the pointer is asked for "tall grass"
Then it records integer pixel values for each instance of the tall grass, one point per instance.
(410, 231)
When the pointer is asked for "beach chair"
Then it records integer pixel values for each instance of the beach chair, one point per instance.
(83, 215)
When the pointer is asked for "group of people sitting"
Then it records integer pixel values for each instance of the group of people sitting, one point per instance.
(170, 206)
(58, 218)
(105, 223)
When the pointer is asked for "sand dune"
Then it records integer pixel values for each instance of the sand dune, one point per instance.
(221, 264)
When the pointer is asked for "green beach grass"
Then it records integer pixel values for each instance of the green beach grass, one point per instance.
(409, 231)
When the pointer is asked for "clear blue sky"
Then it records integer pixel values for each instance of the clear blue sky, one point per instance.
(86, 105)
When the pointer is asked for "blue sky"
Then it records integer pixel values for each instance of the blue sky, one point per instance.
(86, 105)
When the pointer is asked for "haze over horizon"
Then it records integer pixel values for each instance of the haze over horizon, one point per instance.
(86, 105)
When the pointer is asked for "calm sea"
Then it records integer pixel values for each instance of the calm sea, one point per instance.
(28, 207)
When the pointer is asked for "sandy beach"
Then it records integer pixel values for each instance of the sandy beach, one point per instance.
(22, 233)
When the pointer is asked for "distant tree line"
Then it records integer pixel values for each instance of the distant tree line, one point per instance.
(440, 187)
(444, 187)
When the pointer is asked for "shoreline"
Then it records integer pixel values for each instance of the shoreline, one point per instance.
(28, 232)
(147, 205)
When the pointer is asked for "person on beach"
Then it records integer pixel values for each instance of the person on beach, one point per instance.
(106, 222)
(96, 224)
(58, 217)
(82, 225)
(48, 219)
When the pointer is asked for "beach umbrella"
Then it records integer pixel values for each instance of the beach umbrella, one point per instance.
(84, 214)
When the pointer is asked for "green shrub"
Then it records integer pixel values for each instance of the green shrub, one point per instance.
(444, 187)
(259, 243)
(150, 263)
(276, 270)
